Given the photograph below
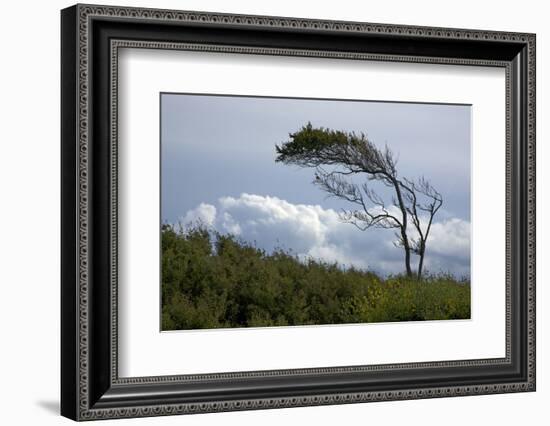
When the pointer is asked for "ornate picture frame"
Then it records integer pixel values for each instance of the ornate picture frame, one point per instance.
(91, 37)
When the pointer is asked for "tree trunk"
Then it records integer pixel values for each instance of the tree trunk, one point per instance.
(408, 261)
(420, 264)
(407, 249)
(404, 237)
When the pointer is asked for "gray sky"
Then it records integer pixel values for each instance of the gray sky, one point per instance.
(218, 163)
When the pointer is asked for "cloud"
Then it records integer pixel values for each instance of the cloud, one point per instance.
(448, 247)
(204, 213)
(316, 232)
(450, 238)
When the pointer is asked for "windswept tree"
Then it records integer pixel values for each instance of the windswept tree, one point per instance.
(340, 159)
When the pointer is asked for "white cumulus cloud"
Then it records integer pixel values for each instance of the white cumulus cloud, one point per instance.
(450, 238)
(313, 231)
(204, 213)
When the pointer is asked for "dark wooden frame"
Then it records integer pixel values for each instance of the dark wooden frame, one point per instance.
(90, 386)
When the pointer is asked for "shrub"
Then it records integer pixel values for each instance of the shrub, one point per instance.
(211, 280)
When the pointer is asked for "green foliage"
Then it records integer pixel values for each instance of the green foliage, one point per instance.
(314, 144)
(211, 281)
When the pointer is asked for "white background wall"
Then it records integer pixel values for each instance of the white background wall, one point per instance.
(29, 212)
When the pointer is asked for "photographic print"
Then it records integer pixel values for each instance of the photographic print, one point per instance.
(290, 211)
(350, 205)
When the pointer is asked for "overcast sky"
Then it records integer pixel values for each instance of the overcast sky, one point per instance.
(218, 165)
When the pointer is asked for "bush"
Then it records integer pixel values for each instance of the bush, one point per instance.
(211, 280)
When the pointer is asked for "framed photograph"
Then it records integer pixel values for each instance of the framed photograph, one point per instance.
(263, 212)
